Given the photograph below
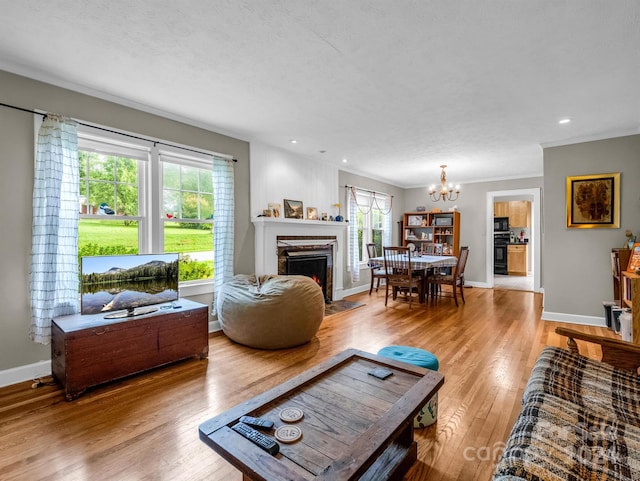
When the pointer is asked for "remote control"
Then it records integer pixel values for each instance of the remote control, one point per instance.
(256, 437)
(259, 423)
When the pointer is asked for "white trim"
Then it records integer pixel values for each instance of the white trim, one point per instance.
(38, 369)
(573, 319)
(480, 285)
(536, 232)
(266, 250)
(47, 77)
(196, 288)
(591, 138)
(354, 290)
(25, 373)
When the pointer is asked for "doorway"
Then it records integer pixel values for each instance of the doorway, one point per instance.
(532, 280)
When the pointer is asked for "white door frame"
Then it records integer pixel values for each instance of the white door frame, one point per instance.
(535, 237)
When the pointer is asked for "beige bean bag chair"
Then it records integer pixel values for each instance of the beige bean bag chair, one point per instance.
(270, 312)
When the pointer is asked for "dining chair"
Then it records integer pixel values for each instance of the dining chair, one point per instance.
(455, 279)
(377, 268)
(401, 275)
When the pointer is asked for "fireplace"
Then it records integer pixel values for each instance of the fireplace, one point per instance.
(315, 261)
(301, 238)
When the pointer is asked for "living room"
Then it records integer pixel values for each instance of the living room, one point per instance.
(574, 270)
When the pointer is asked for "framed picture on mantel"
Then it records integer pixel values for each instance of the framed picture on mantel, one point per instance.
(593, 201)
(293, 209)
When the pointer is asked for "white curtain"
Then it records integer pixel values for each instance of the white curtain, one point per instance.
(54, 250)
(374, 200)
(223, 224)
(353, 261)
(387, 224)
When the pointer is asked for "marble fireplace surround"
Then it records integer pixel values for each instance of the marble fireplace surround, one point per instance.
(305, 233)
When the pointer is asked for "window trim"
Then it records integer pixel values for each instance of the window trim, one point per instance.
(367, 226)
(150, 225)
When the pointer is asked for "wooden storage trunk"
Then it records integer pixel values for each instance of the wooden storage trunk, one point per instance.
(89, 350)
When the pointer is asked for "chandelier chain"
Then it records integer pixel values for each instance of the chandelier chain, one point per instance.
(444, 193)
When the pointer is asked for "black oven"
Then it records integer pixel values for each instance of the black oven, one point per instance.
(501, 224)
(500, 242)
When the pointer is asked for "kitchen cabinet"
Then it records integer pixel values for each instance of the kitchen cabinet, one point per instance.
(501, 209)
(518, 212)
(517, 260)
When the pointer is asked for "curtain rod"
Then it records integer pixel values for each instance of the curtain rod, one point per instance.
(366, 190)
(155, 142)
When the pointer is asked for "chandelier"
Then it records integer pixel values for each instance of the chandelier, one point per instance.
(445, 193)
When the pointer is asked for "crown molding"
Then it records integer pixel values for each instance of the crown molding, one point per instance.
(591, 138)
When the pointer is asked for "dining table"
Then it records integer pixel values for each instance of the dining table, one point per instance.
(424, 262)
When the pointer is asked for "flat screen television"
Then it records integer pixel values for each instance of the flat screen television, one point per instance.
(122, 284)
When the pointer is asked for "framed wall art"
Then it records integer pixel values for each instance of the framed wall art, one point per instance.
(593, 201)
(312, 213)
(275, 209)
(293, 209)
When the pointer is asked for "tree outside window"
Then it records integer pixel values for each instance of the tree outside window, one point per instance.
(128, 223)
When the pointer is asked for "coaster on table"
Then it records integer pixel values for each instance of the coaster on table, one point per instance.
(291, 415)
(288, 433)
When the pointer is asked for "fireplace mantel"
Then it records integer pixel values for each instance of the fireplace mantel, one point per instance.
(266, 249)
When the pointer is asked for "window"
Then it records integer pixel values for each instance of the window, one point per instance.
(370, 224)
(187, 202)
(372, 214)
(138, 198)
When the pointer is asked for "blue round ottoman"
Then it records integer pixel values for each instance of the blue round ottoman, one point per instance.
(417, 357)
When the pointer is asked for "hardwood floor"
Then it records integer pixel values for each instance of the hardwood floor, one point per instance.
(146, 426)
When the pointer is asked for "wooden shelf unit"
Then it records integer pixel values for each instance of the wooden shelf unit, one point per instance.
(619, 261)
(432, 227)
(630, 291)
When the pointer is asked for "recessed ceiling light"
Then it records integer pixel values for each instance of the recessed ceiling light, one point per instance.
(344, 161)
(564, 121)
(293, 141)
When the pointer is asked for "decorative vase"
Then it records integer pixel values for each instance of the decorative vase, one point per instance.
(339, 217)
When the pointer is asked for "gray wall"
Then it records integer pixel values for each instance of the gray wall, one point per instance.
(472, 204)
(16, 187)
(346, 178)
(579, 259)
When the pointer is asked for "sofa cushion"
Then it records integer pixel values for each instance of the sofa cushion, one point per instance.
(556, 440)
(603, 389)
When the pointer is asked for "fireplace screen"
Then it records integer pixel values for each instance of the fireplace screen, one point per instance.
(308, 263)
(308, 256)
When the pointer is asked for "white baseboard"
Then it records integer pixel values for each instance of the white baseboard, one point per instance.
(354, 290)
(25, 373)
(574, 319)
(43, 368)
(482, 285)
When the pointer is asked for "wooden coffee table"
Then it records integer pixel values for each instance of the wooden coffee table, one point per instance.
(355, 426)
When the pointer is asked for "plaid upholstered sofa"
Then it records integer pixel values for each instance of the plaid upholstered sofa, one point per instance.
(580, 418)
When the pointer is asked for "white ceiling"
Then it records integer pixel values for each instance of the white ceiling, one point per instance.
(396, 87)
